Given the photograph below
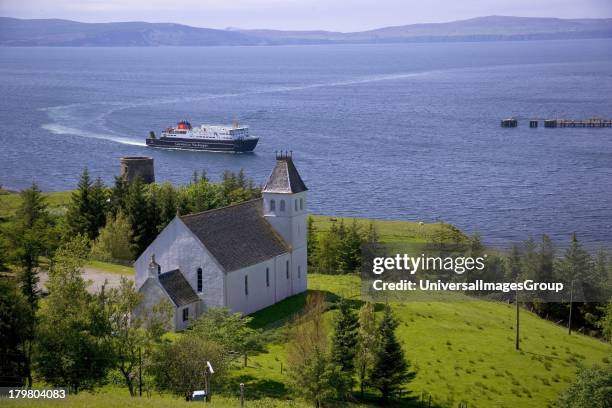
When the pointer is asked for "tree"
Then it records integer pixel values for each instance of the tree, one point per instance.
(592, 389)
(114, 240)
(327, 250)
(15, 325)
(344, 342)
(127, 336)
(350, 248)
(142, 213)
(29, 237)
(390, 368)
(229, 329)
(87, 209)
(72, 348)
(514, 264)
(312, 374)
(167, 203)
(367, 342)
(181, 367)
(605, 323)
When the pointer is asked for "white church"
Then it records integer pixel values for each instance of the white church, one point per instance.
(244, 257)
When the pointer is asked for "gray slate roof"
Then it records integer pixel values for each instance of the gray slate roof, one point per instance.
(284, 178)
(178, 288)
(237, 236)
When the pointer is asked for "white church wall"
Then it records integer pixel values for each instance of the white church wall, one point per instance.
(260, 295)
(177, 248)
(300, 270)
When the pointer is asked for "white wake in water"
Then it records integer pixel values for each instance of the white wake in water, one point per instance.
(70, 113)
(65, 130)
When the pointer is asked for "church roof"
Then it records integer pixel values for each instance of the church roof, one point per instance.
(284, 177)
(177, 287)
(237, 236)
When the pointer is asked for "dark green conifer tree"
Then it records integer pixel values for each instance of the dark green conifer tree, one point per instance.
(390, 369)
(88, 206)
(344, 342)
(141, 211)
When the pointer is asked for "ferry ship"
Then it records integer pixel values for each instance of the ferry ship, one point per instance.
(213, 138)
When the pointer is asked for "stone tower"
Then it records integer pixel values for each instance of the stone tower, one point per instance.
(137, 166)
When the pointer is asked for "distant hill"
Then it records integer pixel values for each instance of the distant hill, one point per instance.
(53, 32)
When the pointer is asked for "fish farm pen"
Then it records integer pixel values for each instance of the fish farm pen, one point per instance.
(561, 123)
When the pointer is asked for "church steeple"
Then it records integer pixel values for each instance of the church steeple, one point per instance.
(284, 196)
(284, 178)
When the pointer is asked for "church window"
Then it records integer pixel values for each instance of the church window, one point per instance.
(282, 205)
(287, 268)
(301, 203)
(296, 205)
(268, 277)
(185, 314)
(246, 285)
(200, 280)
(272, 205)
(158, 269)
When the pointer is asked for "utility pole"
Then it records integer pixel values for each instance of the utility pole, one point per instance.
(139, 372)
(517, 321)
(569, 320)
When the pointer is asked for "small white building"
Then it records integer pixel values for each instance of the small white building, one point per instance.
(244, 257)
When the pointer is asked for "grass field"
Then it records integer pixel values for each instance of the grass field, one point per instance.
(461, 351)
(395, 231)
(57, 202)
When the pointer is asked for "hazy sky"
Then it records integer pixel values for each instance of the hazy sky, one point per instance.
(339, 15)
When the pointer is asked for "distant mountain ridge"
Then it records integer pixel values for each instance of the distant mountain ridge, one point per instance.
(55, 32)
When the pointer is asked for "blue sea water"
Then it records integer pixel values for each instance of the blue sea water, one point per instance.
(394, 131)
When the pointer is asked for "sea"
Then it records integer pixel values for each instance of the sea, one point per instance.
(389, 131)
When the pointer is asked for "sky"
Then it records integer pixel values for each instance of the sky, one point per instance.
(334, 15)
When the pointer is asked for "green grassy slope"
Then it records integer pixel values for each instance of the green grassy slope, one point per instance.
(57, 201)
(396, 231)
(462, 352)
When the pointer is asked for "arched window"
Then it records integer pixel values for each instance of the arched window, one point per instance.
(272, 205)
(296, 205)
(282, 205)
(246, 285)
(287, 269)
(199, 280)
(301, 203)
(268, 277)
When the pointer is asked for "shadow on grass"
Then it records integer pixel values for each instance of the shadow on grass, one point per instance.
(255, 388)
(282, 312)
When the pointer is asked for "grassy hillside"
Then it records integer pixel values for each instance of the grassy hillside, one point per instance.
(462, 352)
(396, 231)
(57, 201)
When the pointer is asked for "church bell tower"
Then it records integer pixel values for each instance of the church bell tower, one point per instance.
(284, 198)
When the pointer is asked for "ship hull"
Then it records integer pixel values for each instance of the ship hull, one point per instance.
(232, 146)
